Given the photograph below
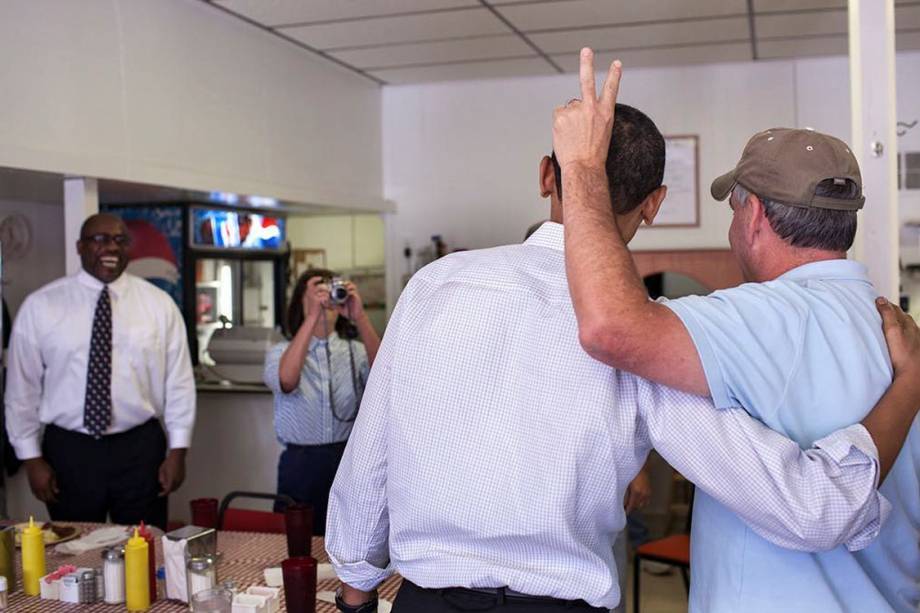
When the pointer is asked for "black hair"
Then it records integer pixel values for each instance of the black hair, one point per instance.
(635, 159)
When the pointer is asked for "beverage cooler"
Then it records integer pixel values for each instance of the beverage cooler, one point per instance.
(227, 270)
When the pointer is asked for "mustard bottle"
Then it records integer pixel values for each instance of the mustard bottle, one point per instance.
(137, 577)
(33, 559)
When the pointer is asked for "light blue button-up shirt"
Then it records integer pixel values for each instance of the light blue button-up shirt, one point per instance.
(806, 355)
(305, 416)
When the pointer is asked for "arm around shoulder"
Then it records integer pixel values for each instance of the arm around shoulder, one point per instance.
(651, 342)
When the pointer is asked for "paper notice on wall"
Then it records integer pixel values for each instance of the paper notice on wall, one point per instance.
(681, 206)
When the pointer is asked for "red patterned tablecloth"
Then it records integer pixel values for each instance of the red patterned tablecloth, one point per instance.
(244, 556)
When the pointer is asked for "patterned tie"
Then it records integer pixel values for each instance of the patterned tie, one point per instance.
(97, 411)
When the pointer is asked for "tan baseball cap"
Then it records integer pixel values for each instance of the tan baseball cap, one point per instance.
(785, 165)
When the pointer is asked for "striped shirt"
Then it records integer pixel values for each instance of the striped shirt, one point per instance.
(305, 415)
(491, 450)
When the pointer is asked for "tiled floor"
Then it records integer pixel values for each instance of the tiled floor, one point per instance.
(660, 593)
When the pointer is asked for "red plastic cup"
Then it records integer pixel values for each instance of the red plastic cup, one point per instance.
(299, 576)
(204, 512)
(298, 523)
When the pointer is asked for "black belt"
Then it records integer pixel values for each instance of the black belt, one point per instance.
(295, 446)
(502, 594)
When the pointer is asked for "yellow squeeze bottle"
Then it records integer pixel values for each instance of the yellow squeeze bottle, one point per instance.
(33, 559)
(137, 577)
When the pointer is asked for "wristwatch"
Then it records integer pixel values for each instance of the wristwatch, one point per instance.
(367, 607)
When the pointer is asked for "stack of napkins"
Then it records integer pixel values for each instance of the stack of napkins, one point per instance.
(97, 539)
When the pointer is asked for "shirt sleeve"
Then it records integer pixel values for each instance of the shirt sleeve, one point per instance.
(735, 332)
(179, 411)
(272, 365)
(358, 523)
(812, 500)
(24, 371)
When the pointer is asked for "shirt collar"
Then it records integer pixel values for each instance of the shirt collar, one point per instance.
(849, 270)
(314, 341)
(550, 235)
(116, 287)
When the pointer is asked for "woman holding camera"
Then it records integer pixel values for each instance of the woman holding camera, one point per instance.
(318, 377)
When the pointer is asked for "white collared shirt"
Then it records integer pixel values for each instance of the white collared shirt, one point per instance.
(49, 350)
(491, 450)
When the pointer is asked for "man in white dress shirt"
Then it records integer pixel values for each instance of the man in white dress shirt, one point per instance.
(489, 460)
(98, 358)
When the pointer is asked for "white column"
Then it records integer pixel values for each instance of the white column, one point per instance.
(81, 199)
(874, 137)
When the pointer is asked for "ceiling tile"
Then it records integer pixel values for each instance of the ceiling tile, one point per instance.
(590, 13)
(907, 17)
(803, 47)
(624, 37)
(676, 56)
(804, 24)
(467, 71)
(278, 12)
(502, 46)
(407, 29)
(795, 5)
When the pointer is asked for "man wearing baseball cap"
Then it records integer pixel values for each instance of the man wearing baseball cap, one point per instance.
(800, 346)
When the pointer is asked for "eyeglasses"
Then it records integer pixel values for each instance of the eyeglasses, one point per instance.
(102, 239)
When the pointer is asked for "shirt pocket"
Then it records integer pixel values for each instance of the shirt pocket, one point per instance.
(137, 349)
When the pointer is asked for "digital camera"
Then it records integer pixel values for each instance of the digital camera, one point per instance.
(338, 292)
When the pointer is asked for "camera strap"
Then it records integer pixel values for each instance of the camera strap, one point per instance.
(355, 378)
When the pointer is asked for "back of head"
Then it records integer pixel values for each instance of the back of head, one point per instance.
(635, 159)
(809, 183)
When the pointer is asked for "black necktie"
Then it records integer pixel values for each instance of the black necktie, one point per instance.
(97, 411)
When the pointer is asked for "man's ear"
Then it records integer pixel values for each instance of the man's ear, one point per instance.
(652, 204)
(547, 177)
(757, 221)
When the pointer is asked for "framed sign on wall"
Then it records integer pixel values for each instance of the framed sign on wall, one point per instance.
(681, 207)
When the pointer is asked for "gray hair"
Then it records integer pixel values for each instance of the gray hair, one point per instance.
(811, 228)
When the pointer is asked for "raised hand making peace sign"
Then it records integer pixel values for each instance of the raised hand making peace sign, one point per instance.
(581, 128)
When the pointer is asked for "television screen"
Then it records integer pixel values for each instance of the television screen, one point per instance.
(236, 229)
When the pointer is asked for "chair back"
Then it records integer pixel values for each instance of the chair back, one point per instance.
(247, 520)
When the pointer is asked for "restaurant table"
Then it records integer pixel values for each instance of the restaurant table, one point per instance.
(244, 555)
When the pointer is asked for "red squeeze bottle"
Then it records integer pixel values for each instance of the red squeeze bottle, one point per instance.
(145, 533)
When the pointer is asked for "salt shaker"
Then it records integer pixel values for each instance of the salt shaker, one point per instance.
(201, 574)
(113, 568)
(88, 586)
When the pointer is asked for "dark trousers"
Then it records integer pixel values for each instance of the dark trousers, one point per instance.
(305, 473)
(115, 476)
(414, 599)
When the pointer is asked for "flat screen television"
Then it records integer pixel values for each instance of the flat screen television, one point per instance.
(228, 229)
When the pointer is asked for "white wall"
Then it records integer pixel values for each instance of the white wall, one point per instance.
(460, 159)
(41, 264)
(177, 93)
(44, 261)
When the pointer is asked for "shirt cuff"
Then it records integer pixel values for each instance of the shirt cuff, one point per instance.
(180, 438)
(851, 447)
(362, 575)
(28, 448)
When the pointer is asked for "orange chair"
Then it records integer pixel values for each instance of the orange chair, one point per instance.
(673, 550)
(246, 520)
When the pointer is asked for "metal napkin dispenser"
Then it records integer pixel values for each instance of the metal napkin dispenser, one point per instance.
(200, 541)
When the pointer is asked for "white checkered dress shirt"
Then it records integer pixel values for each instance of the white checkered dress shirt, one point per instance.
(492, 451)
